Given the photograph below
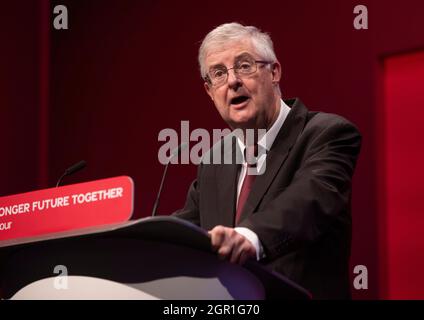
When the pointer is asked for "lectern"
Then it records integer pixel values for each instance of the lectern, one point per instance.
(75, 242)
(150, 258)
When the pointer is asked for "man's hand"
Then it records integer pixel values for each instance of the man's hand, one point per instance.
(231, 245)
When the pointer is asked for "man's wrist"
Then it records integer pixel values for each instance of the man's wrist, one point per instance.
(253, 238)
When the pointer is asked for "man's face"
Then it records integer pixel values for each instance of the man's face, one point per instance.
(246, 101)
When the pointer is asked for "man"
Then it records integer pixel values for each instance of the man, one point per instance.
(294, 216)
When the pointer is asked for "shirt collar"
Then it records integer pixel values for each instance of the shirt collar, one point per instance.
(267, 140)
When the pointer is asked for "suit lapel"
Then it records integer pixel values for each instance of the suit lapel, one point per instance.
(226, 179)
(280, 149)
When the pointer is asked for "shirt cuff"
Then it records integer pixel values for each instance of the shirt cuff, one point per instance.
(253, 238)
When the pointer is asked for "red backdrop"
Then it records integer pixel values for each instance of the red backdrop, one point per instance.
(403, 221)
(127, 69)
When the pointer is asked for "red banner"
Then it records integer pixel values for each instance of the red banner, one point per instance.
(66, 208)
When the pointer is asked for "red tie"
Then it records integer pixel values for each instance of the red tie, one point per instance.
(247, 183)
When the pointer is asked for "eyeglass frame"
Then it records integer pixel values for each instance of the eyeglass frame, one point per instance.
(208, 79)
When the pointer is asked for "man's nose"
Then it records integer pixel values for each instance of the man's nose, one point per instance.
(234, 80)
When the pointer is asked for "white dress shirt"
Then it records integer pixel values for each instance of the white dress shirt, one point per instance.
(265, 142)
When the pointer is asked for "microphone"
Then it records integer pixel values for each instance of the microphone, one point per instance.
(71, 170)
(174, 153)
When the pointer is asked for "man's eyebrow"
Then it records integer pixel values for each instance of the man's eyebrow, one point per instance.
(237, 58)
(217, 65)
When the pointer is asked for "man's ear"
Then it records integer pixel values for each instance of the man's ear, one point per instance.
(276, 72)
(208, 90)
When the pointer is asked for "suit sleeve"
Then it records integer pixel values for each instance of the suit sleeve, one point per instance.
(316, 203)
(190, 212)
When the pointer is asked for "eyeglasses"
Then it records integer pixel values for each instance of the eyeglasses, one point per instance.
(218, 75)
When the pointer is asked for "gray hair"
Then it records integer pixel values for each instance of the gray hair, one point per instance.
(230, 32)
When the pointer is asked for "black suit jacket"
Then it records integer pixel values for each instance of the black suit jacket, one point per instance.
(300, 206)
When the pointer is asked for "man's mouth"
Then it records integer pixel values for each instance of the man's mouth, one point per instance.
(239, 100)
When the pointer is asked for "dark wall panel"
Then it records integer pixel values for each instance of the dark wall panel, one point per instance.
(20, 96)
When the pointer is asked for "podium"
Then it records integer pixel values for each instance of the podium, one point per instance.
(151, 258)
